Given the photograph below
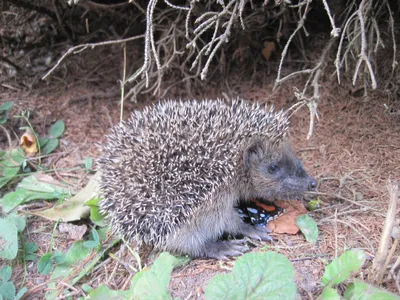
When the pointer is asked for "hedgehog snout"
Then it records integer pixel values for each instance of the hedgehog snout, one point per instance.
(312, 184)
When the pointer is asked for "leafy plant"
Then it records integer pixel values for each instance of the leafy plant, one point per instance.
(255, 276)
(7, 288)
(341, 269)
(88, 163)
(50, 143)
(9, 228)
(95, 243)
(10, 164)
(29, 251)
(5, 108)
(308, 227)
(147, 284)
(36, 186)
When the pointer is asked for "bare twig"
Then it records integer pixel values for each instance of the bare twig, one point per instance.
(382, 253)
(82, 47)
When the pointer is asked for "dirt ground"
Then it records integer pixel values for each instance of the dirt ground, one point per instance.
(355, 149)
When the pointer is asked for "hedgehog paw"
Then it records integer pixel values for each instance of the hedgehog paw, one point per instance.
(255, 233)
(223, 249)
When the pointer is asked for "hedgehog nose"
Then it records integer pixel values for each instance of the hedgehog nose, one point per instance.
(312, 185)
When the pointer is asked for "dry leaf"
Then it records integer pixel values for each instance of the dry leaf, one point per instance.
(29, 143)
(74, 232)
(268, 50)
(287, 222)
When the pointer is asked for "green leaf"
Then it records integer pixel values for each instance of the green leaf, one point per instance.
(8, 239)
(88, 163)
(254, 276)
(50, 146)
(6, 106)
(21, 293)
(57, 129)
(43, 142)
(341, 268)
(95, 235)
(45, 264)
(96, 216)
(5, 273)
(90, 244)
(10, 164)
(308, 227)
(103, 292)
(31, 247)
(59, 257)
(153, 283)
(19, 221)
(86, 288)
(329, 294)
(364, 291)
(7, 290)
(35, 187)
(31, 257)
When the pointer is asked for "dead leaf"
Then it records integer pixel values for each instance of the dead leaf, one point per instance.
(268, 50)
(287, 222)
(29, 143)
(75, 232)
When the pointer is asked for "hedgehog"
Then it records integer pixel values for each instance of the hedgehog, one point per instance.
(173, 173)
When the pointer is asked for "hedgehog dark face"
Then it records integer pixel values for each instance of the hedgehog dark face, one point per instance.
(275, 172)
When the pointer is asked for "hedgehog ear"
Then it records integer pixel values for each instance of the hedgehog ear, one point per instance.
(253, 154)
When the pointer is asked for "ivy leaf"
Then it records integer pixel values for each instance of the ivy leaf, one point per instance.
(8, 239)
(308, 227)
(57, 129)
(50, 146)
(5, 273)
(254, 276)
(45, 264)
(7, 290)
(341, 268)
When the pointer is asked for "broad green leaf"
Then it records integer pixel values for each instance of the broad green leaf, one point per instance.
(255, 276)
(6, 106)
(37, 186)
(50, 146)
(340, 268)
(59, 257)
(40, 182)
(7, 290)
(21, 196)
(31, 257)
(5, 273)
(19, 221)
(90, 244)
(153, 283)
(43, 142)
(361, 290)
(20, 293)
(45, 264)
(329, 294)
(103, 293)
(74, 208)
(308, 227)
(8, 239)
(10, 164)
(57, 129)
(31, 247)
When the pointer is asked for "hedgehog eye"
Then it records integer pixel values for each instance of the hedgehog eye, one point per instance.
(273, 169)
